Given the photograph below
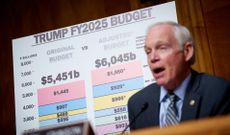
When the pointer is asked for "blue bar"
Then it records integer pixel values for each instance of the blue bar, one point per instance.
(130, 84)
(111, 111)
(71, 105)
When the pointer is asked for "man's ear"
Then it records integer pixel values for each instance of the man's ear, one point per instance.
(188, 51)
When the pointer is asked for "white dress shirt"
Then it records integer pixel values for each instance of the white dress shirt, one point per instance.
(164, 100)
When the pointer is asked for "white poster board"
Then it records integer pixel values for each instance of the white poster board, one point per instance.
(84, 72)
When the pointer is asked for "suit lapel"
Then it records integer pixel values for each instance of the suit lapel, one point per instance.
(154, 106)
(192, 98)
(156, 110)
(190, 107)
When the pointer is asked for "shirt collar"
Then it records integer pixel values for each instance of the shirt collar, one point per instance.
(179, 91)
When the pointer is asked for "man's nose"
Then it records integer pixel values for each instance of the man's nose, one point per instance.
(154, 57)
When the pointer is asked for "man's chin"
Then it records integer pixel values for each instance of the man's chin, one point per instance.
(160, 82)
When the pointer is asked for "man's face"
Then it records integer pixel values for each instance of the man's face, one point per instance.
(166, 58)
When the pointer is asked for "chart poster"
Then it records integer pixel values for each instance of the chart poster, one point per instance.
(84, 72)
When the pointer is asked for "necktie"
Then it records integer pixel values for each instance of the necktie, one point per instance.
(171, 114)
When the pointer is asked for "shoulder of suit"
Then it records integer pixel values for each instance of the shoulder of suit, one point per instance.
(146, 91)
(211, 85)
(213, 80)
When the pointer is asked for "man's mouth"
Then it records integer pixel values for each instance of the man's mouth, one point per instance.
(158, 70)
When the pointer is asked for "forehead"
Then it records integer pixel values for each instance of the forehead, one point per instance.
(160, 33)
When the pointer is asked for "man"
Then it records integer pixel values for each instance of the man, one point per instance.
(170, 52)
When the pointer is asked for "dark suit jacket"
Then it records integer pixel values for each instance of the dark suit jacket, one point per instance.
(211, 95)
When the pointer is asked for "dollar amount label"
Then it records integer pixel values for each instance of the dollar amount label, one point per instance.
(59, 77)
(107, 62)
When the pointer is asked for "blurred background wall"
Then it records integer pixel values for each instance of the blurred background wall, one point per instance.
(208, 20)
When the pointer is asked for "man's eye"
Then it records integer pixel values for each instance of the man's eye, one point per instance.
(163, 48)
(147, 51)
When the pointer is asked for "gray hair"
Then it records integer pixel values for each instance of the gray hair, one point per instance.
(182, 34)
